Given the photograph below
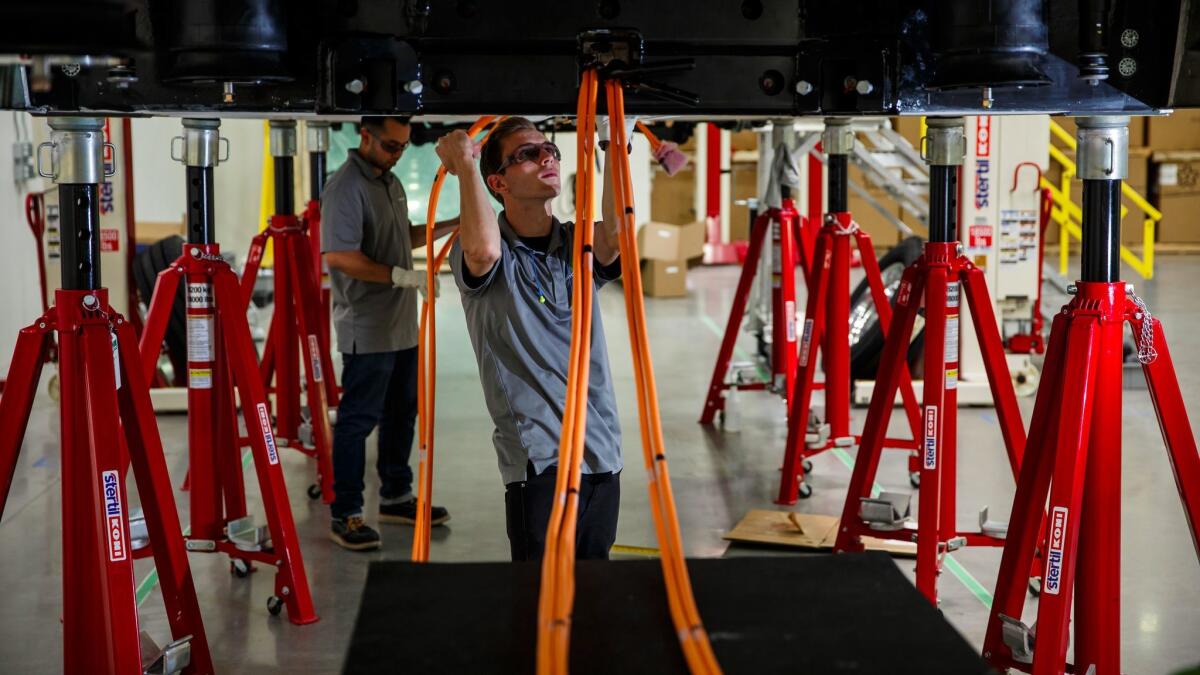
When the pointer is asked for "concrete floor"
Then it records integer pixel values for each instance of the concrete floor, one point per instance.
(718, 476)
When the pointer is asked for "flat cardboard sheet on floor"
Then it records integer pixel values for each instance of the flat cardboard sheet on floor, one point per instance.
(847, 614)
(804, 530)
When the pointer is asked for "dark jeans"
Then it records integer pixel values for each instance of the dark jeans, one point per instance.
(377, 390)
(527, 507)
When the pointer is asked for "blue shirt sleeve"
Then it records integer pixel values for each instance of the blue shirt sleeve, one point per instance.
(468, 284)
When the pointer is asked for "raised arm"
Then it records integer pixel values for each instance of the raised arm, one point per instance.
(478, 231)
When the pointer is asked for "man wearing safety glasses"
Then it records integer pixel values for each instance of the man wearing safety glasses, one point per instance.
(367, 239)
(514, 272)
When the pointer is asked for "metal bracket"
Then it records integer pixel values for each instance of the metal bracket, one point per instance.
(139, 534)
(173, 658)
(1018, 637)
(246, 536)
(887, 512)
(992, 528)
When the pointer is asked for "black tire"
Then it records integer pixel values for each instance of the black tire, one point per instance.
(866, 340)
(146, 266)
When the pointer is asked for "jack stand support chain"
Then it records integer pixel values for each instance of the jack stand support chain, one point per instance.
(221, 355)
(107, 420)
(936, 277)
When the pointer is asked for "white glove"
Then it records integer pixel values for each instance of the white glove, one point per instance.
(604, 132)
(403, 278)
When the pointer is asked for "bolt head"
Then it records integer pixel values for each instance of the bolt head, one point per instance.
(864, 87)
(804, 87)
(195, 252)
(355, 86)
(414, 87)
(285, 591)
(89, 301)
(1072, 289)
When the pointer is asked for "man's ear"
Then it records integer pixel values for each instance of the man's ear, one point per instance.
(496, 183)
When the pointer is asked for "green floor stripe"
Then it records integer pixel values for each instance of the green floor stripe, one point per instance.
(151, 579)
(977, 589)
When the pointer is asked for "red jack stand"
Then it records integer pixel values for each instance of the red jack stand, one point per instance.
(317, 137)
(784, 224)
(107, 420)
(827, 323)
(220, 355)
(295, 315)
(1074, 453)
(936, 276)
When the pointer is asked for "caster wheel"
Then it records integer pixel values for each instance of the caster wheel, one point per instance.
(314, 491)
(914, 479)
(805, 490)
(274, 605)
(240, 568)
(807, 464)
(1035, 586)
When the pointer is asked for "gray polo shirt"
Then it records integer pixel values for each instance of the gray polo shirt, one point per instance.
(364, 212)
(523, 347)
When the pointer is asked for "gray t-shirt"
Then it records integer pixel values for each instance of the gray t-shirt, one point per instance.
(364, 212)
(523, 345)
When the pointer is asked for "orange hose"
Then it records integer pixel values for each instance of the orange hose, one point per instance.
(427, 367)
(654, 142)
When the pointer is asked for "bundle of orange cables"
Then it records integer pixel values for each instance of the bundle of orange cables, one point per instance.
(557, 591)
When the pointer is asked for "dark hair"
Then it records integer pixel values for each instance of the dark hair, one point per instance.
(376, 122)
(489, 157)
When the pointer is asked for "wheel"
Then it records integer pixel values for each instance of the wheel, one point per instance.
(805, 490)
(146, 265)
(807, 464)
(914, 479)
(866, 337)
(274, 605)
(1035, 586)
(314, 491)
(240, 568)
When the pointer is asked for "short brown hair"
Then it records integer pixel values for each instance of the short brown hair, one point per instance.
(490, 158)
(376, 122)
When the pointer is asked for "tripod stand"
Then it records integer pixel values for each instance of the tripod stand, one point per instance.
(827, 323)
(296, 313)
(1074, 452)
(936, 276)
(107, 420)
(220, 355)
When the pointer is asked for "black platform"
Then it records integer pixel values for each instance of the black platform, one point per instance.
(818, 614)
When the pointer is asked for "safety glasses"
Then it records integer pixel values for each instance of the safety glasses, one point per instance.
(530, 152)
(390, 147)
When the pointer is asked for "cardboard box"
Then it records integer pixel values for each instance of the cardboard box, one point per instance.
(1178, 131)
(1176, 172)
(666, 241)
(1181, 218)
(664, 278)
(672, 198)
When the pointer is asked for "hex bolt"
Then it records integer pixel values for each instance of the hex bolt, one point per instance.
(355, 86)
(864, 87)
(414, 87)
(804, 87)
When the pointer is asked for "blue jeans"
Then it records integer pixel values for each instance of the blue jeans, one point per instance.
(377, 390)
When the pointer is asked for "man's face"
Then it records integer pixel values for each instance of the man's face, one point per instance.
(530, 179)
(383, 148)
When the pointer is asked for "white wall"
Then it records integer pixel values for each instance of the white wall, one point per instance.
(19, 289)
(160, 191)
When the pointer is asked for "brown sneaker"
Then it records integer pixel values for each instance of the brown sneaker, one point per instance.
(353, 534)
(405, 513)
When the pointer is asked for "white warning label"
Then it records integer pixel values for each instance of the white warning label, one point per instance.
(200, 378)
(200, 339)
(952, 338)
(314, 357)
(805, 342)
(790, 313)
(199, 296)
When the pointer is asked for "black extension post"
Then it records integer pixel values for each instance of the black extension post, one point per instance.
(78, 177)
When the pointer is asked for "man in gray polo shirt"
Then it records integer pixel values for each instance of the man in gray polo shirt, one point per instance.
(514, 273)
(367, 240)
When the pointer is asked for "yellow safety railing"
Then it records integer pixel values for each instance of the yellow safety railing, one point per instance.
(1068, 214)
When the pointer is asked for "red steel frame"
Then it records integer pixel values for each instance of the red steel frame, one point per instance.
(1074, 456)
(936, 276)
(827, 323)
(786, 229)
(107, 420)
(220, 356)
(312, 224)
(296, 314)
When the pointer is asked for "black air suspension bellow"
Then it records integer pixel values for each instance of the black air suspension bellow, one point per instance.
(983, 43)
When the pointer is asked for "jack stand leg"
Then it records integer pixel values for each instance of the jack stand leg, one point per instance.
(837, 340)
(320, 323)
(891, 362)
(1066, 494)
(716, 386)
(801, 399)
(24, 373)
(933, 451)
(287, 385)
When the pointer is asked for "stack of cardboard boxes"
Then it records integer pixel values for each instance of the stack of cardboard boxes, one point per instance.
(1175, 172)
(665, 250)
